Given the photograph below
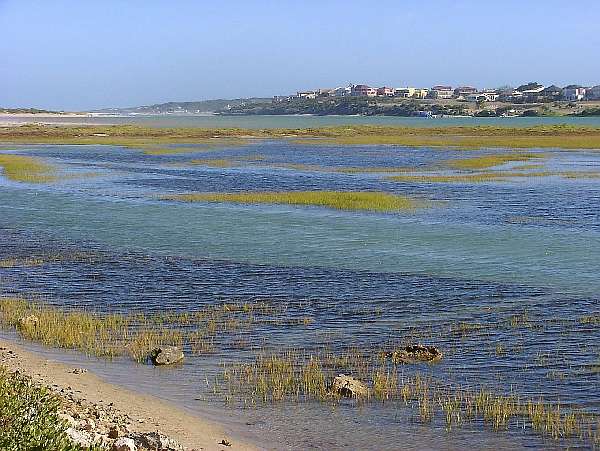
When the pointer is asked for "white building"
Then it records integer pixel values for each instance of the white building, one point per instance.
(307, 94)
(573, 93)
(341, 91)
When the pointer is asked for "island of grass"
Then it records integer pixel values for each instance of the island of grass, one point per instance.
(21, 168)
(375, 201)
(472, 137)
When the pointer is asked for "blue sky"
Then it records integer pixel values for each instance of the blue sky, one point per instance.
(88, 54)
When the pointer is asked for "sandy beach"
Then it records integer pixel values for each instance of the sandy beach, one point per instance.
(143, 413)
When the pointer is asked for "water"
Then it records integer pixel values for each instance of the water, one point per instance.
(478, 253)
(304, 121)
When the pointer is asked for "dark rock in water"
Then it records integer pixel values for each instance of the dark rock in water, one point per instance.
(166, 355)
(349, 387)
(156, 441)
(416, 353)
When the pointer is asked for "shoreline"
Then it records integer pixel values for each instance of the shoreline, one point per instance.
(145, 413)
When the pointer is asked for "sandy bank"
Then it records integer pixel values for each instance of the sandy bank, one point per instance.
(145, 413)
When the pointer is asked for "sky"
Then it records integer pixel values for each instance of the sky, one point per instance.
(86, 54)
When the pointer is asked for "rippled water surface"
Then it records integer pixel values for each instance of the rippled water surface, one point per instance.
(477, 253)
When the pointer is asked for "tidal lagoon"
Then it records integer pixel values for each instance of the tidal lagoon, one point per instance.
(277, 263)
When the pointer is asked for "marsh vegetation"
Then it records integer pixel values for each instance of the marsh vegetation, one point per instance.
(339, 200)
(20, 168)
(557, 136)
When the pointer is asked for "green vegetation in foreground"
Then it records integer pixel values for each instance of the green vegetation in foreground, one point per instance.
(489, 161)
(295, 377)
(29, 416)
(340, 200)
(557, 136)
(21, 168)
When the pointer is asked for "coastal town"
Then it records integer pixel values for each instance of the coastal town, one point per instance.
(532, 92)
(529, 99)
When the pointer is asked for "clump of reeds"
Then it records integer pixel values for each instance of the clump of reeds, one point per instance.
(134, 335)
(297, 377)
(20, 168)
(341, 200)
(21, 262)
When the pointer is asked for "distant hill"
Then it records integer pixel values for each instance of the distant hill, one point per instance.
(202, 106)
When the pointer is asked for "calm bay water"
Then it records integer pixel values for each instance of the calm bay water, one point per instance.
(477, 253)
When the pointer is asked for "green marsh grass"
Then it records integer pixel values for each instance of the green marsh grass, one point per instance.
(297, 376)
(542, 136)
(214, 163)
(490, 176)
(21, 168)
(340, 200)
(489, 161)
(133, 335)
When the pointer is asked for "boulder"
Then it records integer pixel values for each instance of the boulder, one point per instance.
(157, 441)
(124, 444)
(28, 322)
(166, 355)
(349, 387)
(416, 353)
(80, 438)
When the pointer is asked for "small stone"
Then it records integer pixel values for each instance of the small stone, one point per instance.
(80, 438)
(79, 371)
(87, 424)
(349, 387)
(113, 432)
(28, 322)
(166, 355)
(124, 444)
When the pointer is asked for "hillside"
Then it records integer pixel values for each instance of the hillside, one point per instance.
(201, 106)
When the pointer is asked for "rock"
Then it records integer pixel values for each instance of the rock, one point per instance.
(113, 432)
(80, 438)
(78, 371)
(156, 441)
(349, 387)
(87, 425)
(416, 353)
(124, 444)
(166, 355)
(28, 322)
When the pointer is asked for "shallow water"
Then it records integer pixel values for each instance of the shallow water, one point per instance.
(477, 253)
(305, 121)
